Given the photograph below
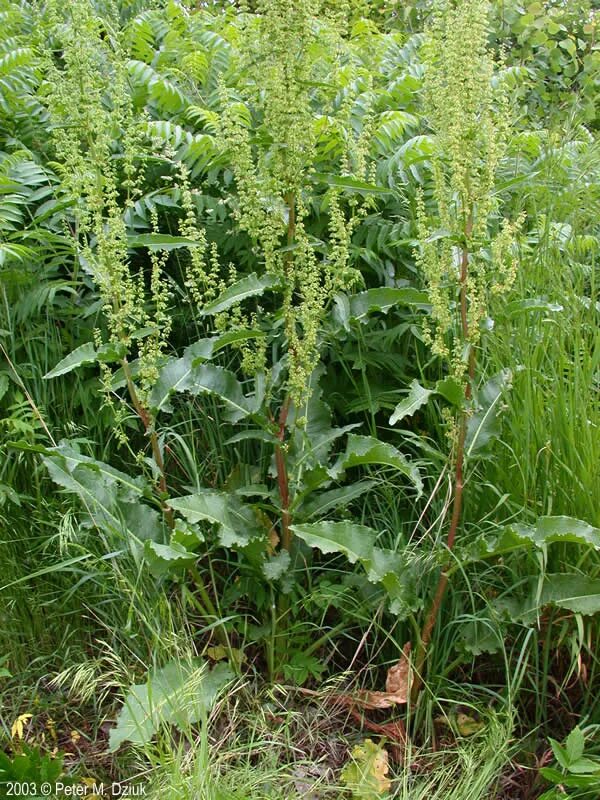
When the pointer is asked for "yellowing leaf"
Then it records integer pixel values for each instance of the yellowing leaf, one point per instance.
(17, 728)
(219, 653)
(467, 726)
(367, 774)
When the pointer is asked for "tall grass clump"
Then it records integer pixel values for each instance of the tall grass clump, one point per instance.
(550, 338)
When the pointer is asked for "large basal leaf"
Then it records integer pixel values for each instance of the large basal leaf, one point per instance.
(276, 566)
(573, 592)
(250, 286)
(85, 354)
(561, 529)
(397, 575)
(112, 499)
(179, 694)
(97, 493)
(72, 459)
(185, 375)
(577, 593)
(179, 554)
(237, 522)
(480, 635)
(168, 559)
(547, 530)
(354, 541)
(365, 776)
(366, 450)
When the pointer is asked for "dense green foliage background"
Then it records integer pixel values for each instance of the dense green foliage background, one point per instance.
(148, 528)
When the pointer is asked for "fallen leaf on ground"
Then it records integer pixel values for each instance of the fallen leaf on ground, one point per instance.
(17, 728)
(467, 726)
(397, 685)
(367, 774)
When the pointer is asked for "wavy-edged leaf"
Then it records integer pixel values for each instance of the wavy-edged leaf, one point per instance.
(208, 378)
(72, 459)
(366, 774)
(571, 591)
(384, 298)
(165, 559)
(183, 375)
(366, 450)
(324, 502)
(237, 522)
(160, 241)
(354, 541)
(547, 530)
(417, 397)
(484, 424)
(175, 376)
(85, 354)
(349, 184)
(179, 694)
(451, 390)
(254, 433)
(396, 575)
(250, 286)
(276, 566)
(112, 499)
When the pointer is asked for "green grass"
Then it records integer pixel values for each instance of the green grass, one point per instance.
(284, 750)
(548, 461)
(82, 618)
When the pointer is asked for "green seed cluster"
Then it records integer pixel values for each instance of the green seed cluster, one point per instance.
(272, 176)
(90, 106)
(468, 110)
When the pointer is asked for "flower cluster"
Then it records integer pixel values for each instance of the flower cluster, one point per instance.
(468, 110)
(272, 172)
(91, 111)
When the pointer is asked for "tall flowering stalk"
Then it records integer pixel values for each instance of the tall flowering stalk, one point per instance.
(273, 179)
(462, 261)
(92, 118)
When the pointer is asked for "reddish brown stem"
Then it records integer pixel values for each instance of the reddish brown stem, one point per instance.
(146, 419)
(457, 500)
(280, 462)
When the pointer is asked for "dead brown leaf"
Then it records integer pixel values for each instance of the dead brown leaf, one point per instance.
(397, 685)
(399, 677)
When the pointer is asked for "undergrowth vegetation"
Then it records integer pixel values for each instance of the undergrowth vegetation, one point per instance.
(299, 372)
